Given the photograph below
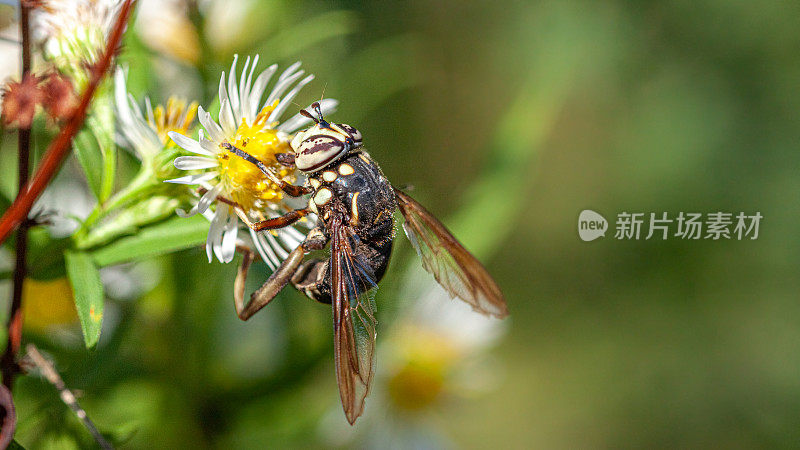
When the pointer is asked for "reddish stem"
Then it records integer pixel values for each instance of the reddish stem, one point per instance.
(8, 364)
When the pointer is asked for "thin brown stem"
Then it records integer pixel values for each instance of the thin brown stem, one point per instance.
(51, 375)
(8, 364)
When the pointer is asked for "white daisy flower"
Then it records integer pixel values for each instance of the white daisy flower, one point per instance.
(145, 134)
(247, 123)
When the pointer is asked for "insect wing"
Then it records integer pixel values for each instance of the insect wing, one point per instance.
(451, 264)
(354, 324)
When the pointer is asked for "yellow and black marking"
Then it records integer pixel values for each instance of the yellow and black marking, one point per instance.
(329, 176)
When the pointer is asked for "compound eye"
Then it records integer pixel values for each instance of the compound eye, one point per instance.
(317, 152)
(355, 134)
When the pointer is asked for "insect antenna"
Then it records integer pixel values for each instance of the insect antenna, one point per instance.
(309, 115)
(318, 110)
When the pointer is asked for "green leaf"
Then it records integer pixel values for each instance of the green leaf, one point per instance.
(84, 277)
(101, 123)
(171, 235)
(14, 445)
(94, 146)
(87, 150)
(129, 221)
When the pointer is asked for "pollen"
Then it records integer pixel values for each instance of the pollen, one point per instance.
(176, 116)
(247, 185)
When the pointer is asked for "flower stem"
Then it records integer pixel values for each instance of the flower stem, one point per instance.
(8, 362)
(140, 185)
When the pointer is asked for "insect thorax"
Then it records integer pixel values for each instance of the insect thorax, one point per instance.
(355, 188)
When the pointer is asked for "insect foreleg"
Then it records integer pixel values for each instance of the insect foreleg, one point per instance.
(274, 223)
(289, 189)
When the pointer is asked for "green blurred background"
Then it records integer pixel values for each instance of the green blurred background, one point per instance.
(509, 118)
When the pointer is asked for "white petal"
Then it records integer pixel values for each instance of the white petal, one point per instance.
(188, 143)
(149, 110)
(281, 87)
(226, 115)
(226, 119)
(233, 92)
(195, 162)
(287, 99)
(194, 179)
(291, 237)
(210, 125)
(243, 79)
(264, 250)
(209, 146)
(121, 97)
(289, 71)
(246, 90)
(208, 198)
(229, 239)
(327, 105)
(244, 95)
(216, 245)
(215, 232)
(258, 88)
(184, 214)
(282, 254)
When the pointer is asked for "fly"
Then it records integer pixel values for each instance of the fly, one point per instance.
(355, 204)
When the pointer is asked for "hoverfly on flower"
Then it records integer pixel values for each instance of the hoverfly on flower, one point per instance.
(354, 203)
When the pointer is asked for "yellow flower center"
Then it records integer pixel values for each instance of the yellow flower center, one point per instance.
(426, 361)
(177, 116)
(246, 184)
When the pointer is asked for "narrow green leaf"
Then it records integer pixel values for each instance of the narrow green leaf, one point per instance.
(153, 209)
(84, 277)
(171, 235)
(101, 123)
(95, 148)
(87, 150)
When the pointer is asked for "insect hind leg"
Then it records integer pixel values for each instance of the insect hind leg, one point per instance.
(313, 279)
(290, 269)
(271, 287)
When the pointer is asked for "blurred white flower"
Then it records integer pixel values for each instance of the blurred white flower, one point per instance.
(164, 27)
(436, 350)
(145, 134)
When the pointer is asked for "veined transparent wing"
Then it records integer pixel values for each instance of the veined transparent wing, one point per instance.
(451, 264)
(354, 324)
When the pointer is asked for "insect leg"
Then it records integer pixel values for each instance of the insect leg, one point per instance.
(312, 277)
(289, 189)
(269, 289)
(315, 240)
(274, 223)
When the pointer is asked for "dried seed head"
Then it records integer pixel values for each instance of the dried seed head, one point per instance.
(20, 100)
(59, 96)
